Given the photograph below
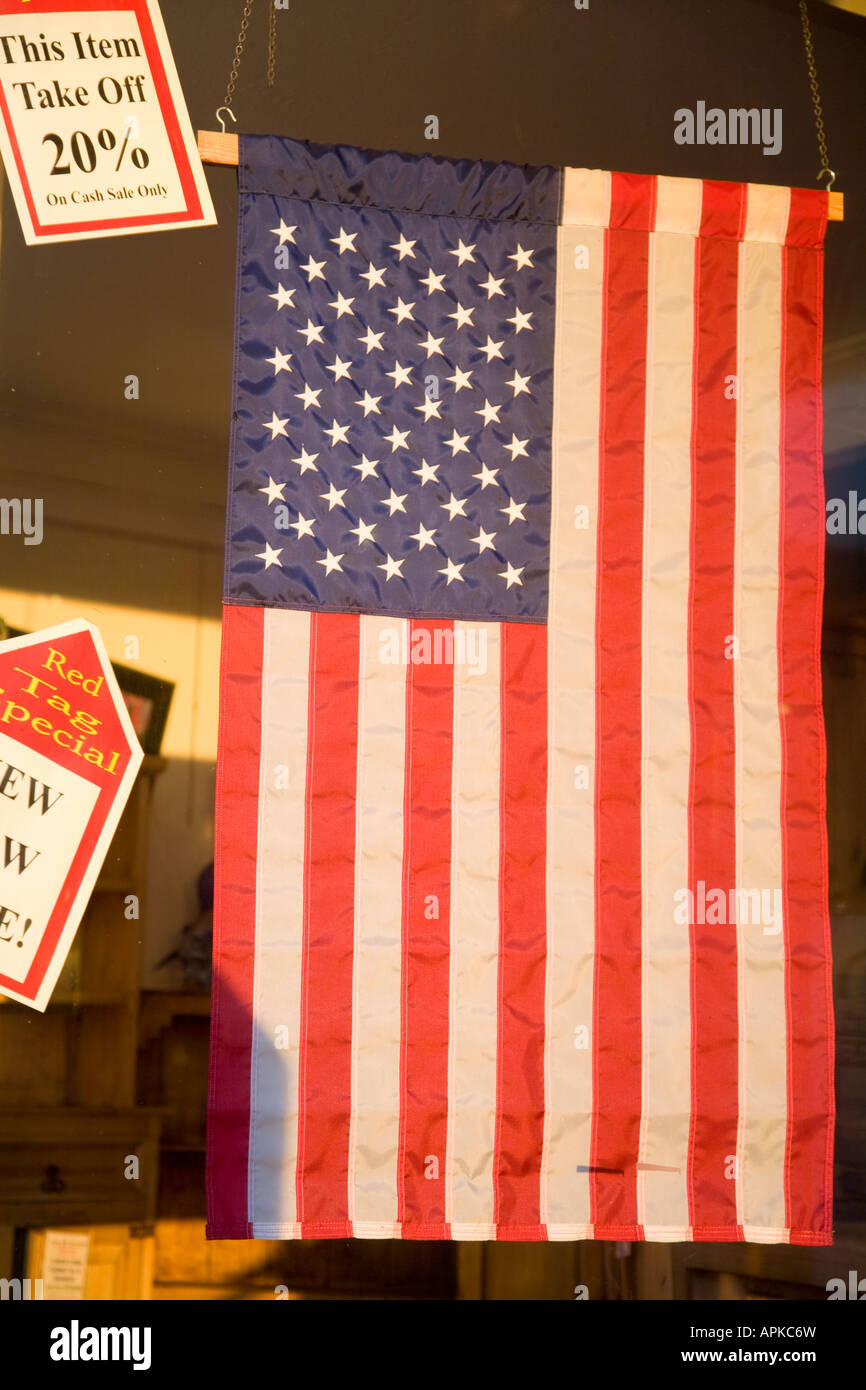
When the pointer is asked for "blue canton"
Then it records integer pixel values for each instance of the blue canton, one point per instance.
(393, 406)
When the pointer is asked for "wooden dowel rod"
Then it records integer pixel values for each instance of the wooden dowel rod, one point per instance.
(218, 147)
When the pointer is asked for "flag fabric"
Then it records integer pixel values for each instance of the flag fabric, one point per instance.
(521, 898)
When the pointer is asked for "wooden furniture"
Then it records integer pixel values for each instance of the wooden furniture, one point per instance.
(69, 1125)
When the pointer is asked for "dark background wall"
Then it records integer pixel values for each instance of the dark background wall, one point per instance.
(134, 491)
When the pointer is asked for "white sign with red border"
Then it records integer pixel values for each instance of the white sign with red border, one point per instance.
(68, 759)
(94, 131)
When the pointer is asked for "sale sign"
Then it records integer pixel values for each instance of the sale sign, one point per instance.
(68, 759)
(94, 131)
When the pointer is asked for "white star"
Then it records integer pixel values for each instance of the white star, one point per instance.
(345, 241)
(304, 525)
(402, 375)
(491, 348)
(397, 438)
(491, 286)
(338, 434)
(284, 233)
(433, 345)
(313, 270)
(274, 491)
(519, 383)
(433, 282)
(521, 258)
(394, 503)
(275, 424)
(373, 276)
(308, 396)
(363, 531)
(369, 404)
(372, 340)
(331, 562)
(392, 567)
(457, 443)
(520, 320)
(463, 316)
(486, 476)
(403, 311)
(454, 506)
(514, 511)
(423, 536)
(452, 571)
(367, 467)
(283, 296)
(511, 575)
(516, 447)
(484, 540)
(339, 368)
(460, 379)
(269, 555)
(490, 412)
(463, 252)
(342, 305)
(403, 247)
(280, 361)
(427, 472)
(333, 497)
(313, 332)
(305, 461)
(430, 408)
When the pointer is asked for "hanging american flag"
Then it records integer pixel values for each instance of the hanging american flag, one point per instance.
(521, 902)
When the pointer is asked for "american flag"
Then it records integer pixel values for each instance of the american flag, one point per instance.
(521, 907)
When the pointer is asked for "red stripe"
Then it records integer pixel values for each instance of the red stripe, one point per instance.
(810, 1010)
(723, 210)
(519, 1134)
(633, 201)
(324, 1066)
(712, 838)
(807, 217)
(235, 854)
(617, 993)
(422, 1157)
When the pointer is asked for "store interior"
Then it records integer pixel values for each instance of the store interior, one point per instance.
(115, 399)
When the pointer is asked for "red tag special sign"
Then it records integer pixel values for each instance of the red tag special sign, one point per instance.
(68, 759)
(94, 131)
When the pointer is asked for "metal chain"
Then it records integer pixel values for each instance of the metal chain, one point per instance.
(239, 51)
(272, 42)
(816, 96)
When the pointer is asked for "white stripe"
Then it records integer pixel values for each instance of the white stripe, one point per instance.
(764, 1098)
(565, 1198)
(666, 733)
(473, 1029)
(373, 1139)
(279, 917)
(586, 197)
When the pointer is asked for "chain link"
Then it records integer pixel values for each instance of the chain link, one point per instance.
(239, 51)
(272, 42)
(816, 96)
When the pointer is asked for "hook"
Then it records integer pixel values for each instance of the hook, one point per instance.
(235, 119)
(823, 171)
